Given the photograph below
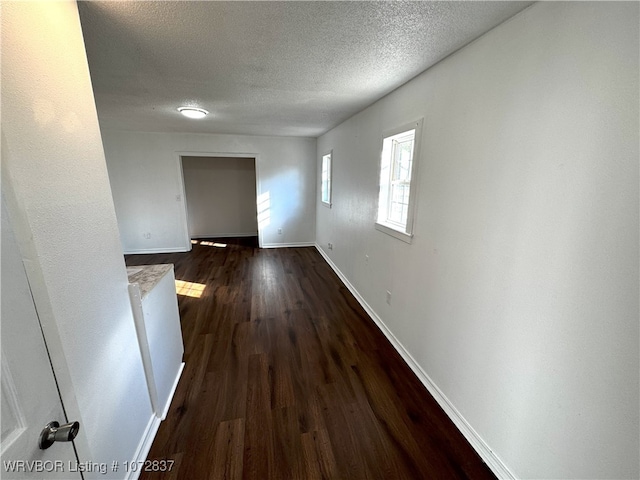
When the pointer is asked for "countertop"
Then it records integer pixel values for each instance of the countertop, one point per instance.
(147, 276)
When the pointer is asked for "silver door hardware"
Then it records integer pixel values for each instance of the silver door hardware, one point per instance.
(54, 432)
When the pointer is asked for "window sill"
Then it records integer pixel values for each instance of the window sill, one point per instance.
(405, 237)
(328, 205)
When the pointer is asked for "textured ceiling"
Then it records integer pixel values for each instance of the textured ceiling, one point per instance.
(265, 68)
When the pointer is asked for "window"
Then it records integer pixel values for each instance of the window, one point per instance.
(397, 185)
(326, 179)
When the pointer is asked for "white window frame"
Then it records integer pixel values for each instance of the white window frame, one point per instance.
(329, 155)
(382, 223)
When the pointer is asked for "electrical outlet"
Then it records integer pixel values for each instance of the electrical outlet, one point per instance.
(388, 297)
(279, 231)
(366, 257)
(178, 198)
(147, 235)
(330, 245)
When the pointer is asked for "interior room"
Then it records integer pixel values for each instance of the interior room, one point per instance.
(445, 276)
(220, 196)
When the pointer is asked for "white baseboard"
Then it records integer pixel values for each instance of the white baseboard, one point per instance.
(143, 447)
(496, 465)
(286, 245)
(173, 391)
(150, 432)
(225, 235)
(157, 250)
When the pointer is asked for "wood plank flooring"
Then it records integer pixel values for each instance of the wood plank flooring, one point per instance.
(287, 377)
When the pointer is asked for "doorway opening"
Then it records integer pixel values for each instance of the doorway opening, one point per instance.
(220, 198)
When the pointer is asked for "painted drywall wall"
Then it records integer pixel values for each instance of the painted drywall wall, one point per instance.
(519, 294)
(148, 193)
(57, 189)
(221, 196)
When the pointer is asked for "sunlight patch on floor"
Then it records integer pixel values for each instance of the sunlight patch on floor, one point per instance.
(189, 289)
(208, 244)
(213, 244)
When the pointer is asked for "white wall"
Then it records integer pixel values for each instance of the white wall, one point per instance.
(146, 182)
(519, 294)
(57, 189)
(221, 196)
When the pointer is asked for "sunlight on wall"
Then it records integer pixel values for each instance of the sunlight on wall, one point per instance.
(282, 203)
(264, 210)
(189, 289)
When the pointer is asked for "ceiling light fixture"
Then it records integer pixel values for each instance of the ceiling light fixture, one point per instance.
(193, 112)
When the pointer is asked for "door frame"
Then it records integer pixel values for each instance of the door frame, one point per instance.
(182, 189)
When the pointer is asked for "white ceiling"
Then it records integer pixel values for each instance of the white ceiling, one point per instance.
(265, 68)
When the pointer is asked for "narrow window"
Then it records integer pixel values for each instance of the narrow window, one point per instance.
(397, 181)
(326, 179)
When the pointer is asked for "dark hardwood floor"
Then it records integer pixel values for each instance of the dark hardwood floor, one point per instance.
(287, 377)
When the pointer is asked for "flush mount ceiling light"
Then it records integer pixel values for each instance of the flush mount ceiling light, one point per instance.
(193, 112)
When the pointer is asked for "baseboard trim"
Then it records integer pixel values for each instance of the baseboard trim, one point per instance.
(173, 391)
(225, 235)
(287, 245)
(496, 465)
(157, 250)
(143, 447)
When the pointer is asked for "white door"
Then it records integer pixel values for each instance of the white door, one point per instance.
(30, 397)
